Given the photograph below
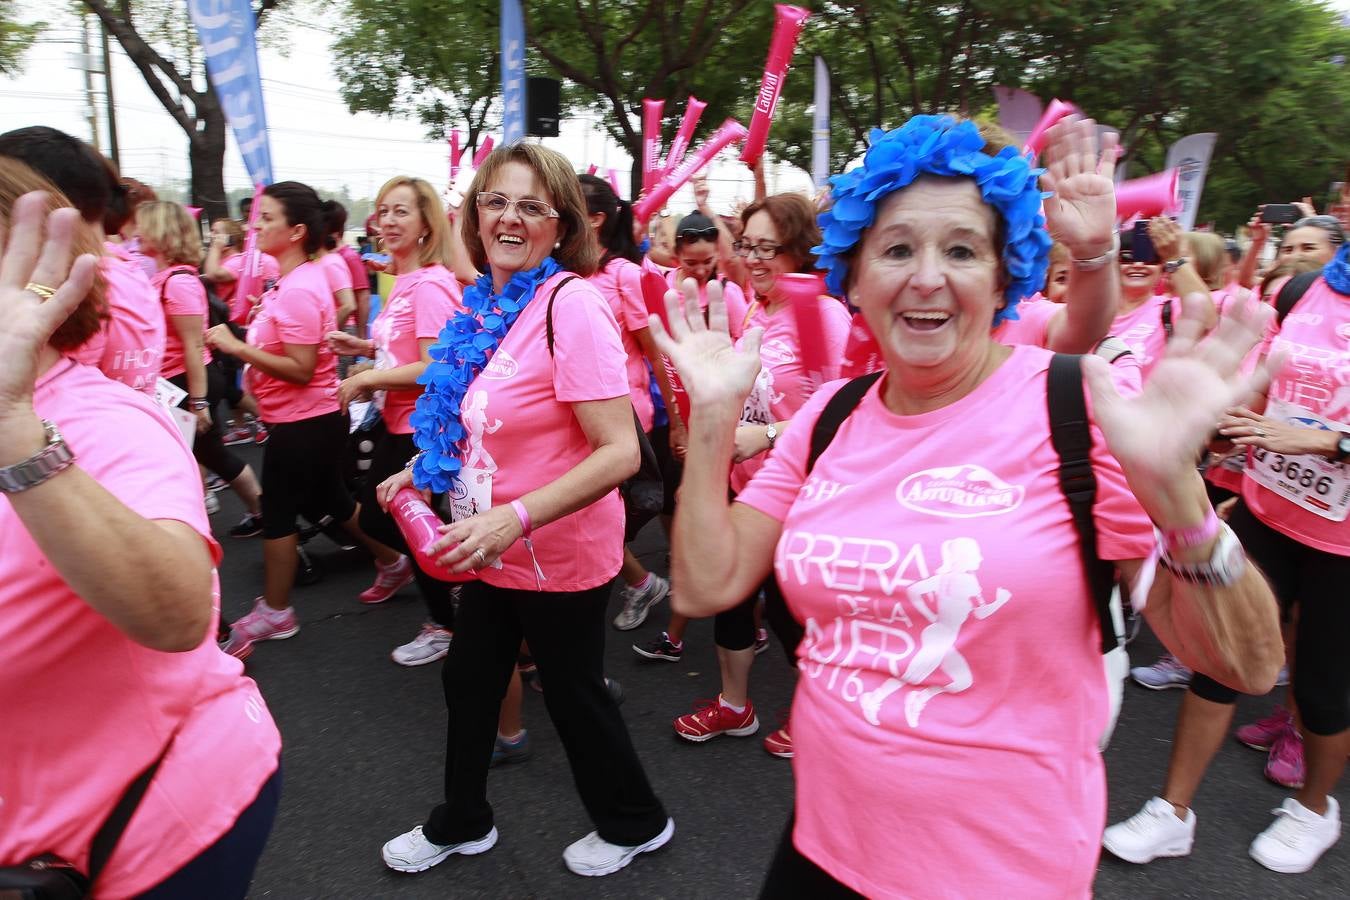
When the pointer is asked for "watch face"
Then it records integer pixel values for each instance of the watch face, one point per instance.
(1343, 446)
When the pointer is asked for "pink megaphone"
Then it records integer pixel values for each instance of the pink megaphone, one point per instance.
(420, 527)
(1057, 110)
(806, 292)
(1149, 196)
(194, 211)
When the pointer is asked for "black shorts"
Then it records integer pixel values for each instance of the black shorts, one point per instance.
(302, 474)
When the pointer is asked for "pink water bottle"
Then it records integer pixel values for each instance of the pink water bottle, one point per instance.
(421, 528)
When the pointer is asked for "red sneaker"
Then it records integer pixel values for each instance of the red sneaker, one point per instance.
(710, 718)
(259, 433)
(389, 580)
(1262, 734)
(1285, 765)
(779, 743)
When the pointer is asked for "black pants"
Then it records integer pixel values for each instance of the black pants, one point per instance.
(207, 447)
(1317, 583)
(792, 876)
(734, 629)
(566, 634)
(392, 452)
(302, 474)
(672, 470)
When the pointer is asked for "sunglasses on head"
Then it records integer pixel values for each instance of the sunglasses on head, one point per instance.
(697, 234)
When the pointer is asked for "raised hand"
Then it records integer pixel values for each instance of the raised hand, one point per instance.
(712, 370)
(1166, 236)
(1082, 213)
(344, 344)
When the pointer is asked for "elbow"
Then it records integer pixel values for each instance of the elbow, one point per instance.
(181, 631)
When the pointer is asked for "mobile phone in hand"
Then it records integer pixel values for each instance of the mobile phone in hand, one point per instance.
(1280, 213)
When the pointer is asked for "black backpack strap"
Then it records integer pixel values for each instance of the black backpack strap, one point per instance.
(1292, 292)
(836, 410)
(548, 315)
(1072, 439)
(110, 832)
(1167, 318)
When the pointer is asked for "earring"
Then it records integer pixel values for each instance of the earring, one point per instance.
(421, 239)
(557, 244)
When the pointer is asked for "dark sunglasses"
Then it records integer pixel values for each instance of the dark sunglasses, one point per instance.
(697, 234)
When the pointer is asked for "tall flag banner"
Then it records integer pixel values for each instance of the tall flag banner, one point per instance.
(1191, 156)
(513, 72)
(820, 127)
(225, 31)
(1018, 112)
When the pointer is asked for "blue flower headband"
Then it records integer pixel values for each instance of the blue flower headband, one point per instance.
(940, 145)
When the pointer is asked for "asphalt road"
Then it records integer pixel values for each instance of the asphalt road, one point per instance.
(364, 742)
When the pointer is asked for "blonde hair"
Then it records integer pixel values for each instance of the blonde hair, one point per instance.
(577, 249)
(435, 249)
(1209, 256)
(17, 179)
(169, 230)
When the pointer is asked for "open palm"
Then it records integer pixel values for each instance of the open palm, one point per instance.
(1082, 211)
(711, 368)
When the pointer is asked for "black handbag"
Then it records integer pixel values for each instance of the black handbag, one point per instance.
(48, 877)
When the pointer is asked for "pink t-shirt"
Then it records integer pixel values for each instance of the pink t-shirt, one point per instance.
(620, 283)
(1032, 325)
(934, 563)
(1142, 328)
(183, 295)
(355, 267)
(419, 306)
(783, 384)
(1311, 388)
(228, 290)
(86, 709)
(732, 295)
(522, 430)
(131, 344)
(299, 310)
(338, 276)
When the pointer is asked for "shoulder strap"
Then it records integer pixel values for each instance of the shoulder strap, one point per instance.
(1292, 292)
(110, 832)
(164, 285)
(836, 410)
(548, 315)
(1167, 318)
(1072, 440)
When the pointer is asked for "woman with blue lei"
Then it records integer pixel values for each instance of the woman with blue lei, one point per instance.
(527, 427)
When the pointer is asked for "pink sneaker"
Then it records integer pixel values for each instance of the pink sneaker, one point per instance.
(1262, 734)
(389, 580)
(1285, 765)
(262, 624)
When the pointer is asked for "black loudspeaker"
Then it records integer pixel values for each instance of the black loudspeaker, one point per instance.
(543, 97)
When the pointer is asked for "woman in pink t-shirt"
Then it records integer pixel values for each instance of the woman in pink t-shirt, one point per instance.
(292, 374)
(169, 236)
(425, 297)
(931, 554)
(224, 266)
(111, 674)
(531, 452)
(336, 215)
(338, 276)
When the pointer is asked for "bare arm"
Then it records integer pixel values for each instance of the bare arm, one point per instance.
(214, 269)
(189, 329)
(403, 378)
(729, 264)
(345, 303)
(1087, 315)
(295, 365)
(362, 310)
(1259, 232)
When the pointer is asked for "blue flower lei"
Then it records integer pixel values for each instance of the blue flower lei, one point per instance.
(940, 145)
(464, 346)
(1337, 272)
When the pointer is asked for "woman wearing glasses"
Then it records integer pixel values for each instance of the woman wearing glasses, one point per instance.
(537, 355)
(779, 232)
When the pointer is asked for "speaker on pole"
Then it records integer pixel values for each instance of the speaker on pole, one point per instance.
(543, 98)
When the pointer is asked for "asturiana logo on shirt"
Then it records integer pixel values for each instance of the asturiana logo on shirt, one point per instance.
(501, 366)
(959, 492)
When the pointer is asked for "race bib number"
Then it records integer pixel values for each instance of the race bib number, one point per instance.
(169, 394)
(757, 410)
(471, 494)
(1311, 482)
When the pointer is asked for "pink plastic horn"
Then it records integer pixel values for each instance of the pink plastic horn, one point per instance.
(614, 182)
(651, 142)
(787, 28)
(1057, 110)
(194, 211)
(693, 110)
(591, 169)
(483, 150)
(729, 132)
(1149, 196)
(456, 153)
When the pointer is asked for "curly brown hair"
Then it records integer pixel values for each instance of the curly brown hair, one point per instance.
(794, 218)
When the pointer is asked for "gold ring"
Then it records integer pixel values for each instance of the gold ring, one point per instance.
(46, 293)
(480, 556)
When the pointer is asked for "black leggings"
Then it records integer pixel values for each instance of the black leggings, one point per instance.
(672, 470)
(302, 474)
(734, 629)
(392, 452)
(207, 446)
(1316, 582)
(793, 876)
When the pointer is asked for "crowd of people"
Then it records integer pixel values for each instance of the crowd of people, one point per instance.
(921, 426)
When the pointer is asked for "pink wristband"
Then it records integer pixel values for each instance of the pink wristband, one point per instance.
(1176, 539)
(524, 515)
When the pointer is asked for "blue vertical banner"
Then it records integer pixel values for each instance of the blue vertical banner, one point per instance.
(513, 72)
(225, 30)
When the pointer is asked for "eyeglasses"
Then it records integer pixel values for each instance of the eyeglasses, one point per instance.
(759, 251)
(528, 209)
(697, 234)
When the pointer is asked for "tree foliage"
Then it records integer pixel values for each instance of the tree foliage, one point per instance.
(15, 37)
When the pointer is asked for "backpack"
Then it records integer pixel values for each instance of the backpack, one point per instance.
(1072, 440)
(1285, 300)
(217, 311)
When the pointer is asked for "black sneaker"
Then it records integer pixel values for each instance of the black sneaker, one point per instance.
(249, 526)
(615, 690)
(661, 648)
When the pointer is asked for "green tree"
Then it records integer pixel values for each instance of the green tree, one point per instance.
(15, 37)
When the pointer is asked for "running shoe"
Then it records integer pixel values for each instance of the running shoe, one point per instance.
(593, 855)
(431, 644)
(236, 433)
(1261, 734)
(389, 580)
(1297, 838)
(506, 752)
(262, 624)
(259, 433)
(638, 602)
(215, 484)
(1167, 672)
(661, 648)
(1152, 832)
(1285, 765)
(779, 743)
(1282, 679)
(412, 852)
(249, 526)
(212, 503)
(761, 641)
(615, 690)
(710, 718)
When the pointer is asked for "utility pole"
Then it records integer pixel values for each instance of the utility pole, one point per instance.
(87, 64)
(108, 99)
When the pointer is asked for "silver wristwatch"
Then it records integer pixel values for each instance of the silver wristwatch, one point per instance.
(37, 468)
(771, 434)
(1225, 566)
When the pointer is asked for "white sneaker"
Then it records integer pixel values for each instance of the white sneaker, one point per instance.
(1167, 672)
(1152, 832)
(637, 602)
(431, 644)
(412, 852)
(592, 855)
(212, 503)
(1297, 837)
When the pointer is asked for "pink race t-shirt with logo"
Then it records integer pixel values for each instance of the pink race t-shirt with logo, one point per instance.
(1142, 328)
(1306, 497)
(934, 561)
(130, 345)
(183, 295)
(86, 709)
(299, 310)
(419, 306)
(732, 295)
(783, 383)
(620, 283)
(229, 290)
(1032, 325)
(519, 412)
